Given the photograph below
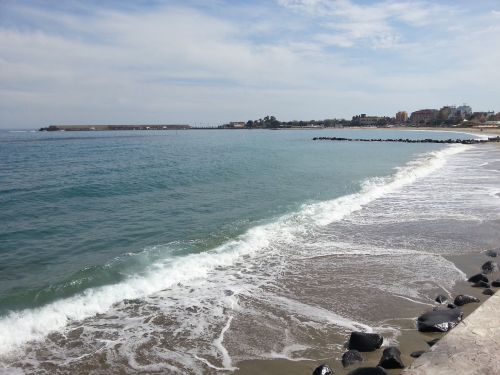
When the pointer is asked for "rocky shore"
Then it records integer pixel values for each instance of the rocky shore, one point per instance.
(363, 348)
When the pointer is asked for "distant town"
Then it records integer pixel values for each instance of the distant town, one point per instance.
(448, 116)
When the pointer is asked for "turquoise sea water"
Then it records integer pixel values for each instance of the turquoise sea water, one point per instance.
(76, 206)
(88, 220)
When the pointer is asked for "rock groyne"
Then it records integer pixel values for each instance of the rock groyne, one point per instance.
(407, 140)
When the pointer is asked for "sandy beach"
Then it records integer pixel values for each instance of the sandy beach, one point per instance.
(484, 131)
(409, 341)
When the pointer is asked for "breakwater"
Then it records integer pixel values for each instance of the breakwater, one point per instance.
(113, 127)
(406, 140)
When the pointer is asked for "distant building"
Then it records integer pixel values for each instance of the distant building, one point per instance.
(424, 116)
(463, 111)
(369, 120)
(237, 124)
(401, 116)
(234, 125)
(480, 116)
(446, 113)
(364, 120)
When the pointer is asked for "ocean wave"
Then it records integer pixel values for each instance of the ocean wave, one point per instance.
(21, 327)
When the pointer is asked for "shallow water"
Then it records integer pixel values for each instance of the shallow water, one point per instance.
(192, 251)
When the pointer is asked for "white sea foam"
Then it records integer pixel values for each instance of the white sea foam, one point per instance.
(288, 353)
(226, 359)
(20, 327)
(326, 212)
(318, 314)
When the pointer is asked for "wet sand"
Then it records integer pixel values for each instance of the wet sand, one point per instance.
(409, 341)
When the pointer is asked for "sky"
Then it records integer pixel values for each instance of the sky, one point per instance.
(207, 62)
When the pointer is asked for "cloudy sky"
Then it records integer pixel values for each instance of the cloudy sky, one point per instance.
(205, 62)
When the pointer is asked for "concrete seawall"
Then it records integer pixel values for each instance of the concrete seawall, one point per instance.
(472, 347)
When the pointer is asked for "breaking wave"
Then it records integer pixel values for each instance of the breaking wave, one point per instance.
(21, 327)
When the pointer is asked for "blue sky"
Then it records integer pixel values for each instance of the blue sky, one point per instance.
(213, 61)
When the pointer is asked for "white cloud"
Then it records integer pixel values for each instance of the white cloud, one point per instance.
(179, 64)
(351, 24)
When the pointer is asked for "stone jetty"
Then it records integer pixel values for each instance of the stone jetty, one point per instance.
(407, 140)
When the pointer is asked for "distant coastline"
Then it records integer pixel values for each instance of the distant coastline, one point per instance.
(462, 129)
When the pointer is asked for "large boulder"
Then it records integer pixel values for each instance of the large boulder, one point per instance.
(481, 284)
(323, 370)
(391, 358)
(350, 357)
(441, 298)
(365, 342)
(368, 371)
(496, 283)
(489, 267)
(439, 320)
(478, 277)
(463, 299)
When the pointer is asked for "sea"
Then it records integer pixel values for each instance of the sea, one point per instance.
(189, 252)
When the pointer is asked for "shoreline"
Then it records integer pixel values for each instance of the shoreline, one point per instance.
(410, 339)
(324, 340)
(462, 130)
(469, 131)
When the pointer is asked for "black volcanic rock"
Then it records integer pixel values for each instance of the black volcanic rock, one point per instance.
(463, 299)
(417, 354)
(492, 253)
(489, 267)
(350, 357)
(432, 342)
(488, 292)
(391, 358)
(496, 283)
(441, 298)
(478, 277)
(323, 370)
(439, 320)
(481, 284)
(368, 371)
(365, 342)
